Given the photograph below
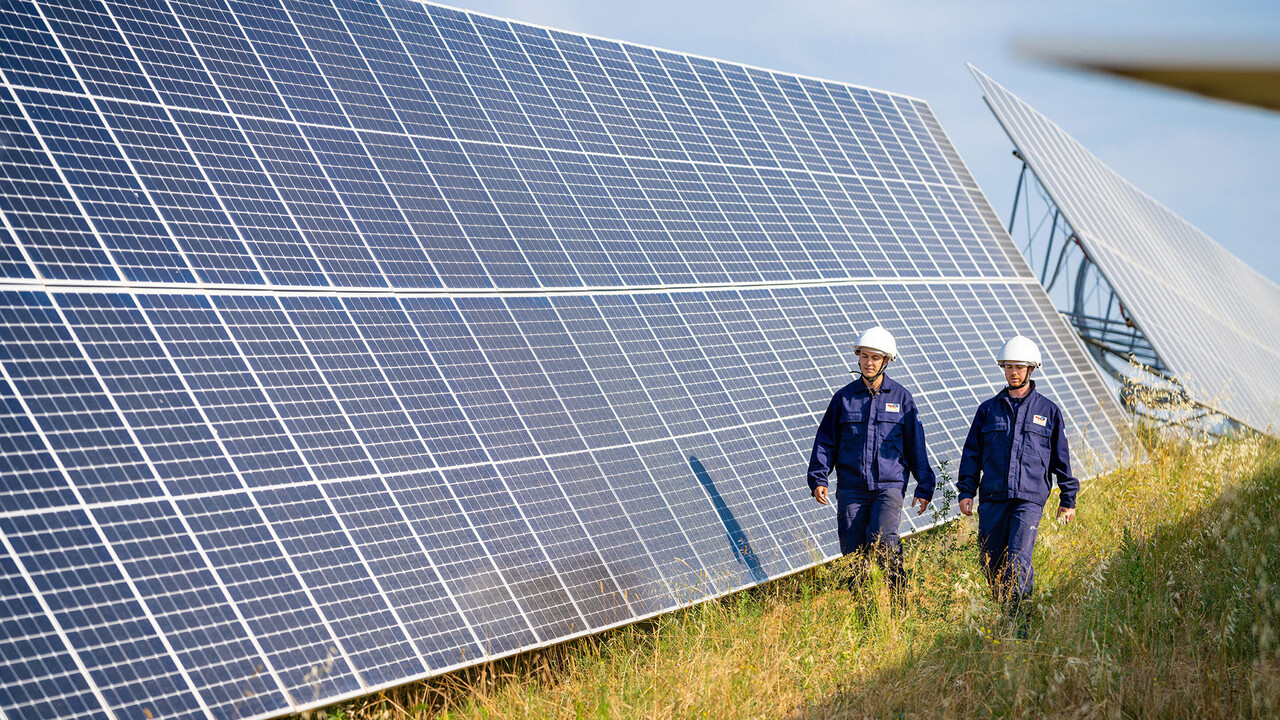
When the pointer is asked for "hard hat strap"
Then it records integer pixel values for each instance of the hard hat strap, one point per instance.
(1025, 380)
(871, 381)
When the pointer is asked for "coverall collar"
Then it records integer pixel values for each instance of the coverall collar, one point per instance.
(887, 384)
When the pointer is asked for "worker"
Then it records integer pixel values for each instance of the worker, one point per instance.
(871, 435)
(1017, 446)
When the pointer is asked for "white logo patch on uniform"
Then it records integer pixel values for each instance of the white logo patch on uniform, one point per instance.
(1039, 419)
(892, 407)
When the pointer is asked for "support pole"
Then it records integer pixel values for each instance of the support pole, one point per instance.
(1058, 267)
(1048, 253)
(1022, 176)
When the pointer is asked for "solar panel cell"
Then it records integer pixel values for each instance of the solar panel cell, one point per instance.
(239, 177)
(152, 398)
(555, 522)
(358, 386)
(638, 532)
(266, 585)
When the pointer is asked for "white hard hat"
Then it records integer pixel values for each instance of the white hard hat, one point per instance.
(878, 339)
(1019, 350)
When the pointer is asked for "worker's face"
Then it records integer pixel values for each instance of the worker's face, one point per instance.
(1016, 373)
(870, 362)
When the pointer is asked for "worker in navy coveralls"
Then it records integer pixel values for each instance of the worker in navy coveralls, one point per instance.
(1016, 446)
(871, 435)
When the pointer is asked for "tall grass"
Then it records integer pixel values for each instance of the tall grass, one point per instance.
(1157, 601)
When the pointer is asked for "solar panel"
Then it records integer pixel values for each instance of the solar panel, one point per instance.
(347, 344)
(1212, 320)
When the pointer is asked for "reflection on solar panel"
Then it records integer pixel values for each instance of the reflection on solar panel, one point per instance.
(1211, 319)
(345, 344)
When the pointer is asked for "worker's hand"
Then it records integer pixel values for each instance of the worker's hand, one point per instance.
(820, 494)
(966, 506)
(921, 502)
(1066, 515)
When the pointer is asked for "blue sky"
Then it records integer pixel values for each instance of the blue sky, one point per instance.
(1217, 165)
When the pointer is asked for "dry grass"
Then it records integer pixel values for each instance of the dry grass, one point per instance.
(1157, 602)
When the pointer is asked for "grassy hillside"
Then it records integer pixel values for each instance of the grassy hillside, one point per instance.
(1157, 601)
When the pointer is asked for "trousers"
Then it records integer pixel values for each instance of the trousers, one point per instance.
(1006, 539)
(868, 522)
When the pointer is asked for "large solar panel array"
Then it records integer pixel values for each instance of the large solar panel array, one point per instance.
(1211, 318)
(346, 344)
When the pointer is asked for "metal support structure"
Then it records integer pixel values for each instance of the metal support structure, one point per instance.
(1053, 231)
(1072, 241)
(1146, 386)
(1100, 318)
(1022, 176)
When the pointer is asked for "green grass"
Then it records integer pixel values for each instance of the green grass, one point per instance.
(1158, 601)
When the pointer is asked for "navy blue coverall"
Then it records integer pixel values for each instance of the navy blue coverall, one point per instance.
(1014, 449)
(873, 440)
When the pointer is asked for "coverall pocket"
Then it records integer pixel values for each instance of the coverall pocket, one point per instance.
(890, 430)
(1035, 453)
(1033, 429)
(851, 428)
(995, 457)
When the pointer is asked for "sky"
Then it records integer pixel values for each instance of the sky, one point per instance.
(1215, 164)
